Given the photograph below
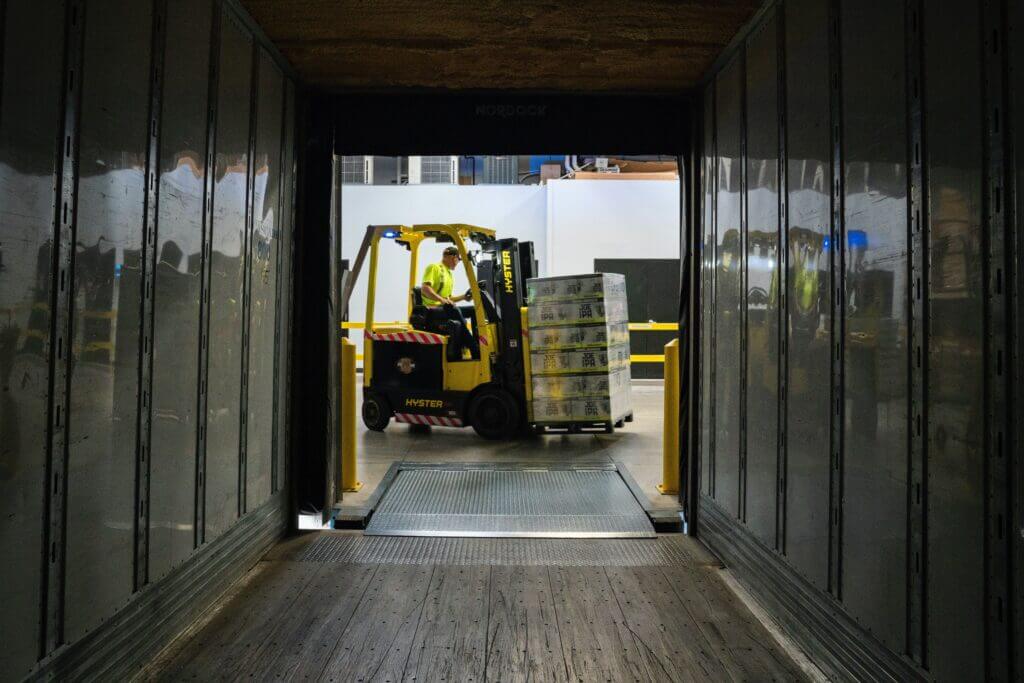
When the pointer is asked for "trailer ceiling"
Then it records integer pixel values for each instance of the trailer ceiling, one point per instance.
(599, 45)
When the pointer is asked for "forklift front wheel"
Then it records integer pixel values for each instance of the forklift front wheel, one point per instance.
(376, 412)
(494, 414)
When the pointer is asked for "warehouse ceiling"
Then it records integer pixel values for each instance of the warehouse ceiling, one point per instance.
(561, 45)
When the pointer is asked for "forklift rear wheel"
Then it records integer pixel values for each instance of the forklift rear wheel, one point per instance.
(494, 414)
(376, 413)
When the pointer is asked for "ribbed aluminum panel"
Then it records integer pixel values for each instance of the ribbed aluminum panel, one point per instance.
(510, 503)
(504, 552)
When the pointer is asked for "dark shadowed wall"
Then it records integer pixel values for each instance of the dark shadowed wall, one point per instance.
(860, 313)
(146, 163)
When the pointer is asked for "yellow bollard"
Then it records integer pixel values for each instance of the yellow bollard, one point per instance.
(670, 446)
(348, 417)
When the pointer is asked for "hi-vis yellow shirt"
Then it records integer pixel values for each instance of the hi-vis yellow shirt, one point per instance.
(440, 278)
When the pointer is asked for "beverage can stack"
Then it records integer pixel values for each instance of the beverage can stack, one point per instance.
(578, 330)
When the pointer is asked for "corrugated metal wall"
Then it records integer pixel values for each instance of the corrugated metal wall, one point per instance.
(146, 175)
(855, 419)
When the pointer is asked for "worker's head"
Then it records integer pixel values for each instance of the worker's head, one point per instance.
(450, 257)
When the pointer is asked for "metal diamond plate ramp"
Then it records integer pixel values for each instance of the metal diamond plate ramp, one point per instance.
(510, 504)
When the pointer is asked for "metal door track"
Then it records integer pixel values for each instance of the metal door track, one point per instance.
(507, 502)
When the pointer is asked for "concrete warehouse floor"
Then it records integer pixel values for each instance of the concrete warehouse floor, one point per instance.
(636, 448)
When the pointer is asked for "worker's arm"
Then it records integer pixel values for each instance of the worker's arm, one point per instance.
(430, 293)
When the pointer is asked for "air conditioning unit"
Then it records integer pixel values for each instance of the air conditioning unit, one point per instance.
(369, 170)
(434, 170)
(356, 170)
(501, 170)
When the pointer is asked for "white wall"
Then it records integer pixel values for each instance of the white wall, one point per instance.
(570, 222)
(590, 219)
(512, 210)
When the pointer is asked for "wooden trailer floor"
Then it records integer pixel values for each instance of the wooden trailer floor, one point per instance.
(340, 606)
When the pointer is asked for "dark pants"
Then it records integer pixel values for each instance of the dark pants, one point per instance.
(447, 319)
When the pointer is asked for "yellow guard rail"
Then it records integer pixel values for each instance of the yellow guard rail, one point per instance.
(349, 481)
(670, 443)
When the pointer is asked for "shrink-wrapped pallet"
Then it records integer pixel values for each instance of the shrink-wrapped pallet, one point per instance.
(581, 386)
(576, 313)
(594, 286)
(569, 362)
(578, 333)
(582, 410)
(578, 337)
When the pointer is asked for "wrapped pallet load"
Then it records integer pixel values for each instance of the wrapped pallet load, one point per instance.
(579, 351)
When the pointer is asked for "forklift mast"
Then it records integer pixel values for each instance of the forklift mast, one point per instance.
(504, 277)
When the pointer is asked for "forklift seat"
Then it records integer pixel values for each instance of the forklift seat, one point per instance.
(418, 317)
(434, 319)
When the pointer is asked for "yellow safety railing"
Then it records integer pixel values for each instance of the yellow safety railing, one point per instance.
(349, 481)
(670, 443)
(650, 327)
(633, 327)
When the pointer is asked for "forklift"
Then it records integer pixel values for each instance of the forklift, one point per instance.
(416, 371)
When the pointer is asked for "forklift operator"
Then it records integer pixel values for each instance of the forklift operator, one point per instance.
(438, 280)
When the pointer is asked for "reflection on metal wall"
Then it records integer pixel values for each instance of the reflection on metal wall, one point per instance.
(808, 317)
(884, 422)
(106, 295)
(728, 265)
(761, 281)
(29, 118)
(876, 317)
(228, 236)
(955, 438)
(707, 301)
(263, 283)
(90, 496)
(179, 286)
(283, 320)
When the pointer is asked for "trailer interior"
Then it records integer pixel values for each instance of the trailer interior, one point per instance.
(820, 479)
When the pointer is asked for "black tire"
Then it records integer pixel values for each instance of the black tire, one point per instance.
(494, 413)
(376, 412)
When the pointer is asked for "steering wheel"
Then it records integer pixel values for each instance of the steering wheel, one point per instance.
(469, 294)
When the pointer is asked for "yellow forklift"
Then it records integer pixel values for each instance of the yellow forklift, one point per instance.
(421, 372)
